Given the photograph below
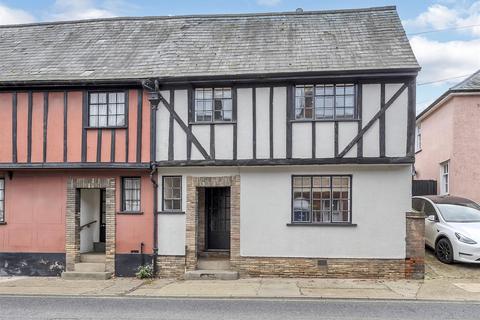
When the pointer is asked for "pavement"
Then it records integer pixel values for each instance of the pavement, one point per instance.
(459, 282)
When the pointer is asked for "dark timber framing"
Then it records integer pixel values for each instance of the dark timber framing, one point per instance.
(234, 118)
(254, 122)
(99, 145)
(314, 139)
(188, 131)
(65, 125)
(127, 123)
(212, 141)
(372, 121)
(359, 101)
(29, 134)
(171, 138)
(335, 126)
(14, 127)
(411, 118)
(45, 125)
(112, 145)
(270, 115)
(84, 125)
(382, 121)
(290, 106)
(139, 124)
(191, 99)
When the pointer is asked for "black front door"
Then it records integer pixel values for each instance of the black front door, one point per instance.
(217, 211)
(103, 202)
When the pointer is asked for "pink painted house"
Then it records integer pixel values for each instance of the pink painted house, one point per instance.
(447, 141)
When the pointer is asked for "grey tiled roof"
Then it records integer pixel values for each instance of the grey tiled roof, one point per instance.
(217, 45)
(471, 83)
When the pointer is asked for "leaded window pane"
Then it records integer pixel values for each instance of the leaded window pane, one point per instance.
(106, 109)
(213, 104)
(172, 193)
(2, 200)
(131, 197)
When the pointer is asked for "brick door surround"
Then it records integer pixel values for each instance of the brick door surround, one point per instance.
(192, 211)
(72, 247)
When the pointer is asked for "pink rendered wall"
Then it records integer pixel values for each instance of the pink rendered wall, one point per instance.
(437, 142)
(465, 163)
(35, 204)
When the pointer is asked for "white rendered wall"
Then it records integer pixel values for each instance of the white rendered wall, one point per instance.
(262, 115)
(180, 138)
(370, 106)
(346, 132)
(325, 140)
(202, 132)
(279, 122)
(163, 119)
(244, 123)
(302, 140)
(223, 141)
(380, 197)
(89, 211)
(396, 119)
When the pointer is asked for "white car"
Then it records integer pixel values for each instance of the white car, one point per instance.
(452, 227)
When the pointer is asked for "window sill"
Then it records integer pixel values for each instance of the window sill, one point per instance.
(298, 224)
(2, 223)
(325, 120)
(105, 128)
(171, 212)
(130, 212)
(211, 122)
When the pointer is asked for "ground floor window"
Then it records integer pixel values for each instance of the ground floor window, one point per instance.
(131, 194)
(444, 179)
(2, 200)
(321, 199)
(172, 193)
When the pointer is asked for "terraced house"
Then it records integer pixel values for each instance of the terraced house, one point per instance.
(213, 146)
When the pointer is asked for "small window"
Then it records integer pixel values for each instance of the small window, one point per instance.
(2, 200)
(444, 178)
(106, 109)
(172, 193)
(213, 104)
(325, 102)
(131, 194)
(418, 138)
(321, 199)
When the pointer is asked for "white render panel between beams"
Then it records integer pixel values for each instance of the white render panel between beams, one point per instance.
(325, 140)
(163, 119)
(279, 122)
(180, 138)
(244, 123)
(346, 132)
(202, 133)
(396, 119)
(262, 105)
(370, 106)
(171, 234)
(302, 140)
(224, 141)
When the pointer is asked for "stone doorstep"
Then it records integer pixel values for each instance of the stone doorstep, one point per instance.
(213, 264)
(92, 257)
(211, 275)
(78, 275)
(89, 267)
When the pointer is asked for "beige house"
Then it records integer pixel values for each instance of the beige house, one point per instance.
(447, 141)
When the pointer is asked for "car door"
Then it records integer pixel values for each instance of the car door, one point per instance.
(430, 225)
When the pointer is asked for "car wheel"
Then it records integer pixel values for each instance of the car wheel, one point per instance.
(444, 251)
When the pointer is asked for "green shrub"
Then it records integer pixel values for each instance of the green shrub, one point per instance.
(144, 272)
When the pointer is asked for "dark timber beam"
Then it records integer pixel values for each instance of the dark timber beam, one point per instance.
(380, 113)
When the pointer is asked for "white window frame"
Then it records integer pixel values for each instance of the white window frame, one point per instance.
(2, 200)
(418, 138)
(445, 178)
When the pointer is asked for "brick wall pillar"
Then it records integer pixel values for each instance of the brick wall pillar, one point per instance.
(415, 246)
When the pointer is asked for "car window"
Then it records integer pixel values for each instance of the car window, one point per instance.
(456, 213)
(417, 204)
(429, 210)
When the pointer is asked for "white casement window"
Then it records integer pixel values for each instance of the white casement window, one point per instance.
(106, 109)
(444, 178)
(321, 199)
(418, 138)
(2, 200)
(325, 102)
(213, 105)
(131, 194)
(172, 193)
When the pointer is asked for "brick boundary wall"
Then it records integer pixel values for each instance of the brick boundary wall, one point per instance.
(72, 244)
(415, 246)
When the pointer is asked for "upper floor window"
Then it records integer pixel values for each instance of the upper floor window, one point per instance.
(213, 104)
(131, 194)
(321, 199)
(444, 178)
(106, 109)
(325, 102)
(2, 200)
(418, 138)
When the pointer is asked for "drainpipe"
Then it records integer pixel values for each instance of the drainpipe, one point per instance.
(154, 97)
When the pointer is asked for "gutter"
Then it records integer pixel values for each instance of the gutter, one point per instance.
(153, 179)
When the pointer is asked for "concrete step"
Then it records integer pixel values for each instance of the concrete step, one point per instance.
(75, 275)
(92, 257)
(213, 264)
(90, 267)
(211, 275)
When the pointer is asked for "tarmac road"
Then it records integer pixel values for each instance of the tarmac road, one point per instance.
(70, 308)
